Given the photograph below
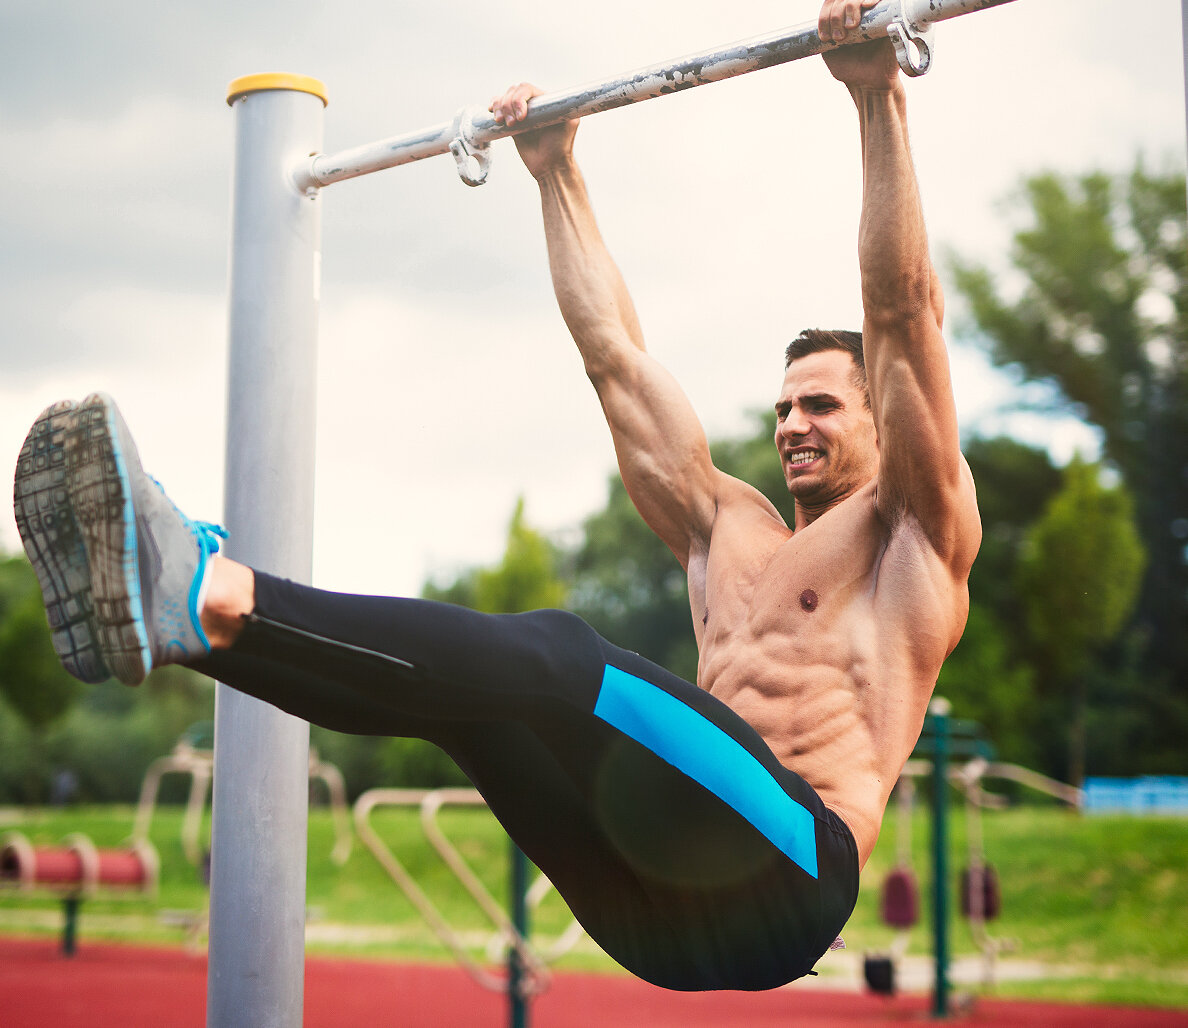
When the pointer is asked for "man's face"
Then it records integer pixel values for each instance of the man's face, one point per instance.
(824, 433)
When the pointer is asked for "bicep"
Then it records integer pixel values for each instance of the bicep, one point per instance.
(662, 450)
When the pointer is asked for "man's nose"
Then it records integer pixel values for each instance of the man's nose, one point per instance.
(794, 423)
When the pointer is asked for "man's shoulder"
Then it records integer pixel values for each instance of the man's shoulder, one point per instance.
(739, 499)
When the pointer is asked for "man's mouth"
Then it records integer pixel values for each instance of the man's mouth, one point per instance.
(804, 457)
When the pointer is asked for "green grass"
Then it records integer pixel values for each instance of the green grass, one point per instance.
(1101, 900)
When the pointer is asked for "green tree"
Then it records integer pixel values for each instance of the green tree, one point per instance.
(32, 681)
(1079, 579)
(31, 678)
(1102, 320)
(986, 682)
(526, 578)
(991, 676)
(630, 588)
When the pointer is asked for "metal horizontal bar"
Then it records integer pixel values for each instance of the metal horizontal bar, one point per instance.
(698, 69)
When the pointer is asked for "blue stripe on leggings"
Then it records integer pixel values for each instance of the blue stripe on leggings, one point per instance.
(695, 746)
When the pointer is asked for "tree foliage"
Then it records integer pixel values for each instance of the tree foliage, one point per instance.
(1079, 578)
(991, 676)
(104, 735)
(1102, 319)
(630, 588)
(1080, 571)
(32, 680)
(526, 578)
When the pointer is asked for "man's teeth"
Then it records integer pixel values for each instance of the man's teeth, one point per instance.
(805, 457)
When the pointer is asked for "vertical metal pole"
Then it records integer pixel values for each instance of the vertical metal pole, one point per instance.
(261, 755)
(70, 905)
(939, 709)
(517, 1005)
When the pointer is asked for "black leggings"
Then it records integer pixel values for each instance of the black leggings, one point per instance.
(686, 850)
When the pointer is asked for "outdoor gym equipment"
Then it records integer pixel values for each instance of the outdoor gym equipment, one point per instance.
(943, 739)
(192, 755)
(981, 898)
(899, 900)
(258, 859)
(75, 870)
(527, 973)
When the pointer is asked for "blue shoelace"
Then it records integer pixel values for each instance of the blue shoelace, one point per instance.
(206, 534)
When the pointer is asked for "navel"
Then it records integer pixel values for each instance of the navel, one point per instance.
(808, 600)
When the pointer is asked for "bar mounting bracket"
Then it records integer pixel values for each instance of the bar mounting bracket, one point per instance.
(913, 46)
(465, 149)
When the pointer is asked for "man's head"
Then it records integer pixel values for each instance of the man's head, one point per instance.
(825, 431)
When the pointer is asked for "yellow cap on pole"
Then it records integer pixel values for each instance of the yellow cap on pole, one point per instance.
(273, 80)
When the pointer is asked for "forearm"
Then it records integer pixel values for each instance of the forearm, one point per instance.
(590, 290)
(898, 280)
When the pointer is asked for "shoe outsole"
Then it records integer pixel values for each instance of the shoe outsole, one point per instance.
(100, 456)
(54, 544)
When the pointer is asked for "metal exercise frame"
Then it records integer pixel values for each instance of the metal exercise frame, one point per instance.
(506, 935)
(257, 918)
(197, 763)
(943, 740)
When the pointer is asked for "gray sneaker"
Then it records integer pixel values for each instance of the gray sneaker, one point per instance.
(147, 559)
(54, 545)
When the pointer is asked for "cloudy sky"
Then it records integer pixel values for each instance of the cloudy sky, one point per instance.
(447, 383)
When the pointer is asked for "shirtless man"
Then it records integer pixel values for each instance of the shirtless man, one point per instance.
(828, 641)
(707, 836)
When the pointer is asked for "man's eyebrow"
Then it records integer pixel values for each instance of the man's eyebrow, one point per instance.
(785, 402)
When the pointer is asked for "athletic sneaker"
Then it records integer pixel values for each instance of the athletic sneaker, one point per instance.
(53, 543)
(147, 559)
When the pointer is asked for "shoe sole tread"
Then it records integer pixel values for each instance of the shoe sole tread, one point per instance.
(54, 545)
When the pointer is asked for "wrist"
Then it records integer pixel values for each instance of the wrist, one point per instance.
(892, 89)
(879, 101)
(562, 167)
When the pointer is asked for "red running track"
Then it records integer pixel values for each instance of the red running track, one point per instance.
(105, 986)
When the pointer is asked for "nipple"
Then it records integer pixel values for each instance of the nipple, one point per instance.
(808, 600)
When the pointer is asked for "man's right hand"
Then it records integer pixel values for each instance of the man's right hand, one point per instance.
(866, 65)
(541, 150)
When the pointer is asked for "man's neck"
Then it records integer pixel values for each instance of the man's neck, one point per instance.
(807, 513)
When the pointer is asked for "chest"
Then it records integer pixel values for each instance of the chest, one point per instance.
(842, 591)
(758, 571)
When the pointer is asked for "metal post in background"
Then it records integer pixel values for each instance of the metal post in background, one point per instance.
(261, 755)
(517, 1001)
(938, 710)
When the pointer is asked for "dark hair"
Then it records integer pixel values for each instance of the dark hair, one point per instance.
(817, 340)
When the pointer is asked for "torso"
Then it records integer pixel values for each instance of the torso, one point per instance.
(828, 642)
